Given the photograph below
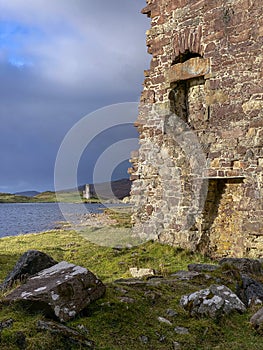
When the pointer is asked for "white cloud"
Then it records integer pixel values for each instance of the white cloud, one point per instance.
(81, 40)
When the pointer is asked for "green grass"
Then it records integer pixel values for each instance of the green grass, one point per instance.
(11, 198)
(108, 263)
(117, 325)
(122, 215)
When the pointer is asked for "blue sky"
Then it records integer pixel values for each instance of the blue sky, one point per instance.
(59, 61)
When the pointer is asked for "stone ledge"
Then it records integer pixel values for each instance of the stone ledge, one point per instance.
(194, 67)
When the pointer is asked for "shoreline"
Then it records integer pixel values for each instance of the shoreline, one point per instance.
(103, 217)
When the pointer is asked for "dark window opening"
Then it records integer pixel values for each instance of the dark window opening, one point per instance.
(187, 100)
(183, 57)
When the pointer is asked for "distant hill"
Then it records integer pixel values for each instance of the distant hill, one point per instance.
(47, 196)
(12, 198)
(115, 189)
(118, 188)
(27, 193)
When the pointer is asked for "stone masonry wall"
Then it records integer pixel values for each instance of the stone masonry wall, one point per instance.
(197, 177)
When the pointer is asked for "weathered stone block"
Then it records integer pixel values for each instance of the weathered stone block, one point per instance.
(61, 291)
(195, 67)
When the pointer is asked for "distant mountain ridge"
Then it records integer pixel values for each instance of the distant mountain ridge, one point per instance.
(106, 190)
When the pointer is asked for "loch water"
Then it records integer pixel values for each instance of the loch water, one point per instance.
(22, 218)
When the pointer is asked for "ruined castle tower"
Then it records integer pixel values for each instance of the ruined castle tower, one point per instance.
(198, 179)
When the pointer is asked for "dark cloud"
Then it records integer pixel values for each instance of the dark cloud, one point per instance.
(60, 60)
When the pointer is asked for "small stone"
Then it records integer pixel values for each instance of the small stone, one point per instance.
(144, 339)
(127, 300)
(140, 273)
(176, 345)
(186, 275)
(6, 323)
(181, 330)
(208, 277)
(118, 248)
(134, 254)
(83, 329)
(121, 290)
(257, 320)
(162, 338)
(130, 281)
(171, 313)
(164, 320)
(108, 303)
(202, 267)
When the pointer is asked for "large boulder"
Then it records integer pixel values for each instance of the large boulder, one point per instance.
(250, 291)
(30, 263)
(215, 302)
(244, 265)
(61, 291)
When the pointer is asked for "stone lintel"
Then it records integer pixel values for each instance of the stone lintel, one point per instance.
(224, 177)
(194, 67)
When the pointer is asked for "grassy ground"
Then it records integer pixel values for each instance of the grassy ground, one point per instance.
(11, 198)
(116, 324)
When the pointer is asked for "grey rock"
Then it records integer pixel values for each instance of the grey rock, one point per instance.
(151, 295)
(176, 345)
(202, 267)
(62, 291)
(213, 302)
(126, 300)
(152, 281)
(185, 275)
(30, 263)
(130, 281)
(6, 324)
(162, 338)
(160, 281)
(181, 330)
(244, 265)
(250, 291)
(171, 313)
(144, 339)
(257, 320)
(164, 320)
(121, 290)
(69, 334)
(82, 329)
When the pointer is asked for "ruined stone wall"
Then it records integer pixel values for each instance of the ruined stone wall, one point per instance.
(198, 179)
